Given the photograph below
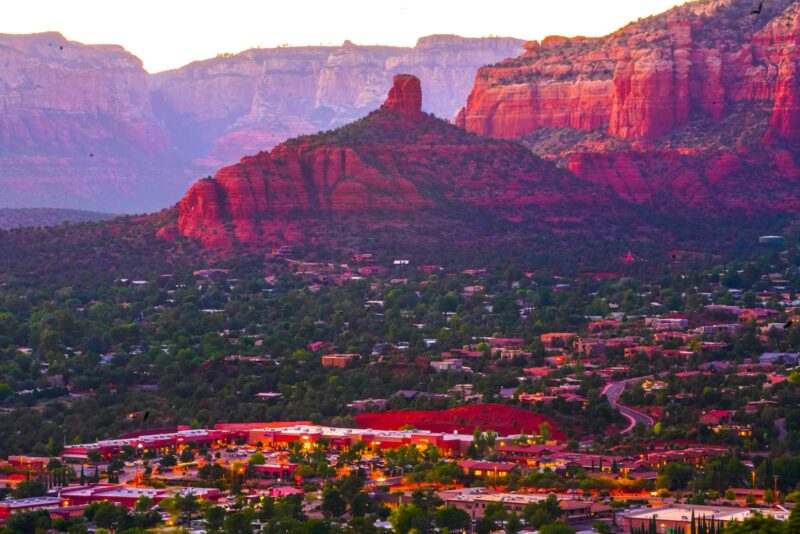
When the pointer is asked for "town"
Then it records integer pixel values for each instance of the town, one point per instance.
(467, 400)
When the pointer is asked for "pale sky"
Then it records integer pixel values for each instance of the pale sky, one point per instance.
(169, 33)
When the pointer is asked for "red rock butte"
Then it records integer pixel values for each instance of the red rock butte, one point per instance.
(405, 96)
(394, 162)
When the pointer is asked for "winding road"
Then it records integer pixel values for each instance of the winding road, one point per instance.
(613, 390)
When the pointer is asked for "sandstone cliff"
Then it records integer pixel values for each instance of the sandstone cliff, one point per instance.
(696, 108)
(699, 61)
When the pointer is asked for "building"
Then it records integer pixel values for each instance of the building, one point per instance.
(651, 351)
(714, 330)
(475, 500)
(337, 360)
(160, 442)
(788, 358)
(363, 405)
(674, 517)
(344, 438)
(13, 506)
(667, 323)
(452, 364)
(127, 496)
(479, 468)
(716, 417)
(553, 339)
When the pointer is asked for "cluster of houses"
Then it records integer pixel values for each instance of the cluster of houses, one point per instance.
(511, 454)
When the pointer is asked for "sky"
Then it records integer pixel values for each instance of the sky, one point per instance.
(166, 34)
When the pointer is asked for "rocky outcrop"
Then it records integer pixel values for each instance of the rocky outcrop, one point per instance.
(405, 96)
(396, 162)
(699, 61)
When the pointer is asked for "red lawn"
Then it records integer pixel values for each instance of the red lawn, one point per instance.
(502, 419)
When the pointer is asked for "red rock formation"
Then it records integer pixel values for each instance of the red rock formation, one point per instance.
(745, 183)
(405, 96)
(695, 62)
(394, 162)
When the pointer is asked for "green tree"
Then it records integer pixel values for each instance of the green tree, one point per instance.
(214, 517)
(143, 504)
(333, 504)
(557, 528)
(34, 521)
(29, 488)
(406, 517)
(239, 523)
(452, 518)
(257, 459)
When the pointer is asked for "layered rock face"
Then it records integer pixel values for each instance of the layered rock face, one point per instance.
(88, 127)
(696, 108)
(76, 126)
(699, 61)
(397, 160)
(215, 107)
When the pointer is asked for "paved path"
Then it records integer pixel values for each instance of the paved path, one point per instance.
(613, 390)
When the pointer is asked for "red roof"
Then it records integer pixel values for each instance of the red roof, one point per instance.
(486, 466)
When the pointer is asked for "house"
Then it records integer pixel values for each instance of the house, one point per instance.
(364, 405)
(11, 481)
(338, 360)
(667, 323)
(716, 417)
(591, 346)
(788, 358)
(731, 329)
(411, 394)
(649, 351)
(554, 339)
(29, 463)
(452, 364)
(479, 468)
(268, 395)
(654, 385)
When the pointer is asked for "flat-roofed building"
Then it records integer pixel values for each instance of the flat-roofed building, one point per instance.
(679, 516)
(13, 506)
(337, 360)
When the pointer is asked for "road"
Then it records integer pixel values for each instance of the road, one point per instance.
(613, 390)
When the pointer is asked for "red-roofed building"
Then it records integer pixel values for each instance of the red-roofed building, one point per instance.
(480, 468)
(716, 417)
